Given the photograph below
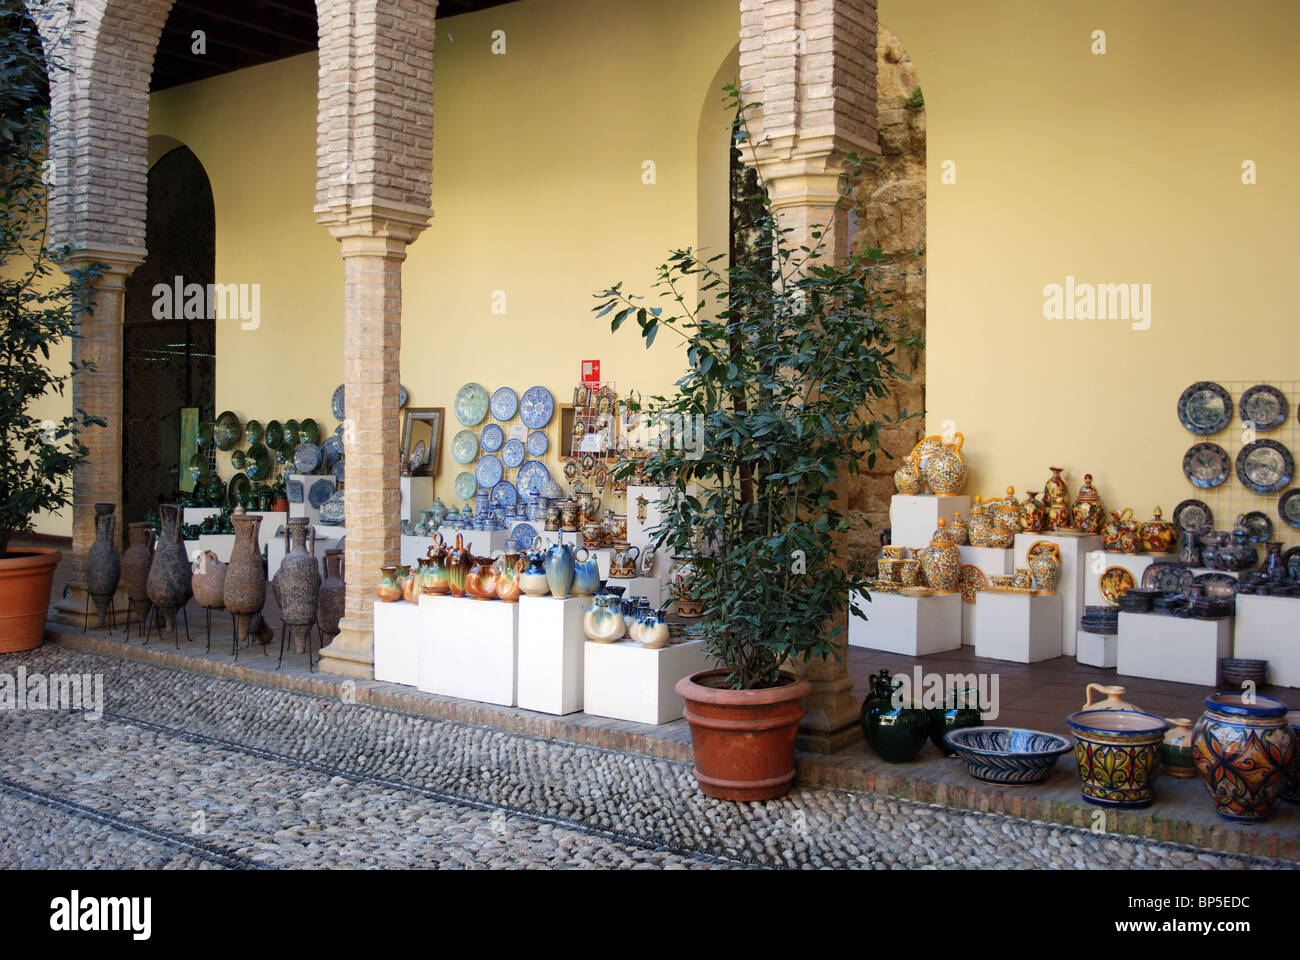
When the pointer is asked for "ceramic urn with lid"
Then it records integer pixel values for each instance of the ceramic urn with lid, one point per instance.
(941, 560)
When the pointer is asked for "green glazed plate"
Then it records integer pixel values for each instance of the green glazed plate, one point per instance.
(465, 486)
(198, 467)
(274, 434)
(464, 446)
(227, 431)
(308, 431)
(205, 433)
(253, 431)
(259, 462)
(291, 428)
(238, 460)
(238, 484)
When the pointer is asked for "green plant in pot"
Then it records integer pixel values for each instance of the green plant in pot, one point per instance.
(773, 413)
(38, 309)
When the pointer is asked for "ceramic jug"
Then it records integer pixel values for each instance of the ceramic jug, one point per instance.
(654, 633)
(1158, 535)
(603, 622)
(593, 534)
(588, 505)
(433, 580)
(586, 575)
(1176, 751)
(945, 470)
(560, 562)
(1033, 514)
(389, 590)
(1241, 553)
(941, 560)
(569, 516)
(1189, 550)
(533, 580)
(103, 567)
(1121, 527)
(481, 579)
(1114, 699)
(508, 586)
(457, 563)
(907, 478)
(209, 579)
(1045, 565)
(622, 566)
(1089, 512)
(896, 734)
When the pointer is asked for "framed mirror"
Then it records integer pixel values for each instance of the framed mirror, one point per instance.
(422, 440)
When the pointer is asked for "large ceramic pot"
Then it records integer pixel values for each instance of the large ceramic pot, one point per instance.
(960, 709)
(1244, 753)
(103, 567)
(743, 740)
(208, 578)
(561, 559)
(169, 585)
(332, 594)
(25, 580)
(1118, 752)
(245, 593)
(897, 732)
(941, 560)
(299, 580)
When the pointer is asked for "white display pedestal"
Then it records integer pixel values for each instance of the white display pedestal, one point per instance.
(572, 539)
(1172, 648)
(219, 543)
(413, 548)
(1097, 649)
(1097, 562)
(398, 629)
(196, 515)
(627, 681)
(273, 522)
(305, 509)
(469, 649)
(417, 496)
(1017, 626)
(648, 587)
(551, 653)
(968, 623)
(914, 626)
(913, 520)
(1070, 583)
(993, 561)
(1266, 629)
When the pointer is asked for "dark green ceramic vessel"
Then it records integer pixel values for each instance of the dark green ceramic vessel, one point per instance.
(896, 734)
(948, 718)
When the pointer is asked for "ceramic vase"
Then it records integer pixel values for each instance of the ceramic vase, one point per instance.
(299, 580)
(169, 585)
(1189, 550)
(941, 560)
(603, 622)
(245, 592)
(1118, 752)
(1244, 753)
(1089, 512)
(1176, 751)
(654, 633)
(458, 562)
(136, 562)
(959, 710)
(958, 530)
(1033, 515)
(895, 733)
(907, 478)
(586, 575)
(208, 577)
(1045, 565)
(560, 562)
(389, 587)
(103, 568)
(1272, 565)
(330, 599)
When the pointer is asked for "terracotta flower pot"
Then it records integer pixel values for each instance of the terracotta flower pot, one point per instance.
(25, 578)
(743, 739)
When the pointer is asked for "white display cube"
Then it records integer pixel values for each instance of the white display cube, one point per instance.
(1022, 627)
(572, 539)
(913, 520)
(914, 626)
(1097, 649)
(469, 649)
(417, 497)
(968, 623)
(196, 515)
(219, 543)
(648, 587)
(398, 629)
(272, 525)
(1179, 649)
(1097, 562)
(551, 653)
(994, 561)
(304, 508)
(1070, 583)
(413, 548)
(1266, 629)
(626, 681)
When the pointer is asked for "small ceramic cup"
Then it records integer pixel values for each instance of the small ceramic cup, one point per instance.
(891, 553)
(1000, 582)
(887, 570)
(1022, 579)
(909, 572)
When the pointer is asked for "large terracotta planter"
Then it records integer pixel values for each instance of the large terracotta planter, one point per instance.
(743, 739)
(25, 578)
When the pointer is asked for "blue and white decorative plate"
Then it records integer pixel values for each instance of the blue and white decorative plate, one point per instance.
(306, 457)
(1204, 408)
(293, 491)
(536, 407)
(402, 395)
(488, 471)
(464, 446)
(524, 535)
(471, 404)
(1264, 466)
(513, 453)
(537, 444)
(339, 469)
(505, 402)
(332, 451)
(319, 492)
(492, 438)
(1206, 465)
(336, 402)
(504, 494)
(532, 470)
(465, 486)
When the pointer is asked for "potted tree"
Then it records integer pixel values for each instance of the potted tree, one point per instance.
(37, 457)
(775, 408)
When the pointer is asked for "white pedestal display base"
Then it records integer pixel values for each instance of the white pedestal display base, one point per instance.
(1070, 583)
(305, 509)
(414, 547)
(1097, 562)
(1017, 626)
(469, 649)
(219, 543)
(1097, 649)
(551, 645)
(197, 515)
(914, 626)
(417, 497)
(1172, 648)
(968, 623)
(638, 531)
(626, 681)
(1266, 630)
(913, 520)
(399, 628)
(648, 587)
(993, 561)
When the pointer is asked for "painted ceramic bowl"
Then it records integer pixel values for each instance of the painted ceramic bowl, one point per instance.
(1118, 752)
(1007, 755)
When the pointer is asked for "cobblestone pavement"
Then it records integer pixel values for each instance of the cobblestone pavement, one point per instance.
(192, 771)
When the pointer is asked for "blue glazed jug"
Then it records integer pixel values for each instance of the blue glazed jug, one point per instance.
(560, 562)
(586, 575)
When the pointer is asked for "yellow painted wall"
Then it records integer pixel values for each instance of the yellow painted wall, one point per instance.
(1117, 168)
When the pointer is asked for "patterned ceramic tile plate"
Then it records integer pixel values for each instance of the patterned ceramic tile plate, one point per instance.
(1206, 465)
(1218, 586)
(332, 451)
(1259, 525)
(1193, 515)
(514, 452)
(1265, 466)
(524, 534)
(465, 486)
(504, 494)
(532, 470)
(1288, 508)
(536, 407)
(471, 404)
(336, 402)
(293, 491)
(464, 446)
(1205, 408)
(1263, 406)
(492, 438)
(971, 581)
(306, 457)
(537, 444)
(488, 470)
(1167, 576)
(505, 402)
(402, 395)
(340, 469)
(1114, 583)
(319, 492)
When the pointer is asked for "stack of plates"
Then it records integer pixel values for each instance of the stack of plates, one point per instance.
(1236, 670)
(1137, 601)
(1103, 620)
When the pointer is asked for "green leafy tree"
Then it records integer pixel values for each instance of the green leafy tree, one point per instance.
(776, 408)
(39, 307)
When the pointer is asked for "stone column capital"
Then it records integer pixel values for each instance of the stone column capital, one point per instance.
(120, 262)
(374, 228)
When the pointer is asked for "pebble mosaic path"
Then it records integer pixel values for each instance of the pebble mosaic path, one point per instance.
(187, 770)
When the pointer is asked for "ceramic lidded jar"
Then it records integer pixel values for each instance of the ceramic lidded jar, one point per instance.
(1245, 753)
(1158, 535)
(245, 592)
(907, 478)
(169, 585)
(1033, 514)
(941, 560)
(958, 530)
(945, 470)
(103, 568)
(978, 529)
(1089, 512)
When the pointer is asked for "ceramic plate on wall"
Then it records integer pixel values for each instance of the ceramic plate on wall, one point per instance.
(340, 469)
(1264, 406)
(293, 491)
(1259, 525)
(471, 404)
(492, 438)
(488, 471)
(1291, 563)
(465, 486)
(319, 492)
(504, 494)
(464, 446)
(1206, 465)
(1205, 408)
(536, 407)
(253, 431)
(1114, 583)
(1288, 508)
(331, 451)
(971, 581)
(239, 484)
(306, 457)
(505, 402)
(524, 534)
(308, 431)
(513, 453)
(1265, 466)
(336, 402)
(1193, 515)
(537, 444)
(226, 431)
(530, 471)
(274, 434)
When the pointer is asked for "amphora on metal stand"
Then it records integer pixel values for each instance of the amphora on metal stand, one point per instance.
(103, 569)
(245, 593)
(169, 585)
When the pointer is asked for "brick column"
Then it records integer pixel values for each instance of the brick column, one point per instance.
(373, 249)
(99, 392)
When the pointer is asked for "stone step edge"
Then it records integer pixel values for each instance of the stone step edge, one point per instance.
(813, 769)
